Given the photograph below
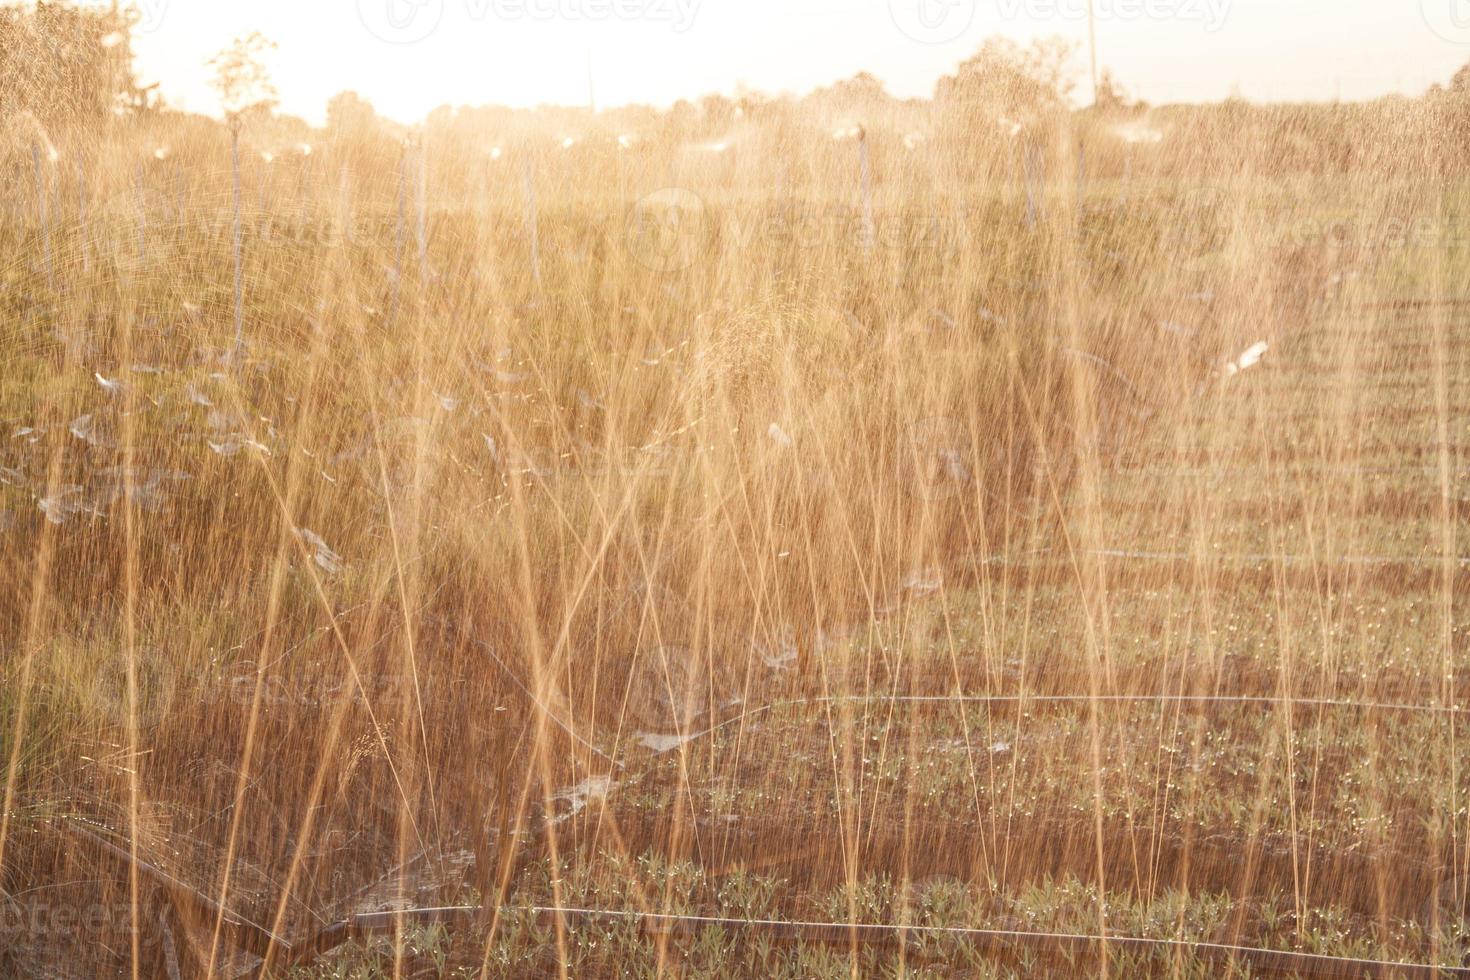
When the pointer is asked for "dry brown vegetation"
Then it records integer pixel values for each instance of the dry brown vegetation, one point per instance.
(644, 526)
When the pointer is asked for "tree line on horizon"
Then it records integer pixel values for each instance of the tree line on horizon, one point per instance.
(67, 77)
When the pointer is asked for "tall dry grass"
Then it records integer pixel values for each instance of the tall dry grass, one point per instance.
(423, 564)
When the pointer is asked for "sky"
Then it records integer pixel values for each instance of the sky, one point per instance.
(409, 56)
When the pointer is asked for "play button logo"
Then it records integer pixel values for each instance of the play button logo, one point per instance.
(932, 21)
(400, 21)
(1450, 19)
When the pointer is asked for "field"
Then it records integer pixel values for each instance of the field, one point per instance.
(819, 552)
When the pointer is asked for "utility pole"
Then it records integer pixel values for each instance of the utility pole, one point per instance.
(235, 243)
(1092, 44)
(591, 88)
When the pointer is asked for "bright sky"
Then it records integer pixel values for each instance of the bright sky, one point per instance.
(409, 56)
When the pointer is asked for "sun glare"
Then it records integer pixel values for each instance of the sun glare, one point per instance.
(640, 488)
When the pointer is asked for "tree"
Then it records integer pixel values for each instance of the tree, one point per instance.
(1450, 110)
(680, 121)
(350, 114)
(862, 92)
(749, 101)
(365, 143)
(66, 65)
(1004, 79)
(241, 78)
(1460, 84)
(717, 111)
(1111, 97)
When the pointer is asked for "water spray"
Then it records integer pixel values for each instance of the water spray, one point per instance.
(1081, 180)
(142, 216)
(531, 223)
(1031, 171)
(86, 245)
(43, 213)
(344, 207)
(421, 207)
(235, 234)
(400, 233)
(866, 178)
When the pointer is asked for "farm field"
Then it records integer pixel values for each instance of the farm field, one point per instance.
(1243, 822)
(1209, 692)
(833, 536)
(1295, 813)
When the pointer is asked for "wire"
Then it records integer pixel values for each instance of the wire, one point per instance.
(1052, 945)
(1161, 699)
(546, 709)
(1249, 558)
